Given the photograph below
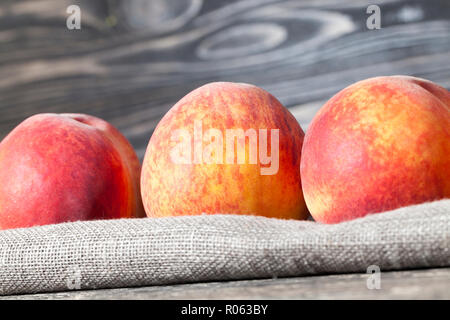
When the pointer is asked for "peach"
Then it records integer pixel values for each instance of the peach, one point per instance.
(227, 148)
(379, 144)
(65, 167)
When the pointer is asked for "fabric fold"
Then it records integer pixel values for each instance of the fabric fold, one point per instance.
(158, 251)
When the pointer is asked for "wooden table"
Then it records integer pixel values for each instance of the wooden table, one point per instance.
(133, 59)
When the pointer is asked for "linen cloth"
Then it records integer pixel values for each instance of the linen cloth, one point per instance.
(157, 251)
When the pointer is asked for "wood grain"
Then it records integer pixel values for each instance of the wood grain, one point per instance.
(132, 60)
(412, 284)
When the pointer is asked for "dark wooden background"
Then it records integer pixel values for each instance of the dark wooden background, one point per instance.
(133, 59)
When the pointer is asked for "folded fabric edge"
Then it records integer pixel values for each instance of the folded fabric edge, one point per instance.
(33, 279)
(368, 218)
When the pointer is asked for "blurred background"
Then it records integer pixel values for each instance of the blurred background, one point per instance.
(133, 59)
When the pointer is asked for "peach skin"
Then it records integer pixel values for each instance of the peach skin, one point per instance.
(227, 148)
(65, 167)
(379, 144)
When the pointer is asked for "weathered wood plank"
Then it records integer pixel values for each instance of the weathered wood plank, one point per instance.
(133, 60)
(413, 284)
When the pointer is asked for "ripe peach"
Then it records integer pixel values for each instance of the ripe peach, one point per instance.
(225, 148)
(377, 145)
(65, 167)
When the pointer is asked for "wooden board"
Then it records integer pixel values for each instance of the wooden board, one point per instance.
(132, 60)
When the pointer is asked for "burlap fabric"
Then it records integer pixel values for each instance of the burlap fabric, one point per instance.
(137, 252)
